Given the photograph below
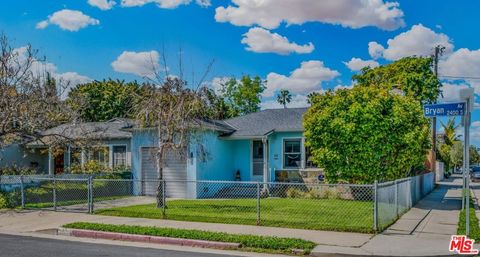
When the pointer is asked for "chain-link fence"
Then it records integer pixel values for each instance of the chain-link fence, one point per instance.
(396, 197)
(343, 207)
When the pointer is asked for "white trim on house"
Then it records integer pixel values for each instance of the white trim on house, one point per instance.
(302, 152)
(252, 176)
(111, 161)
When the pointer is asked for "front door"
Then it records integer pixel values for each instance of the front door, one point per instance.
(59, 164)
(257, 160)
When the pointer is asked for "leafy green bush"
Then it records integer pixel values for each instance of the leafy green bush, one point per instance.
(96, 168)
(3, 201)
(366, 133)
(17, 170)
(314, 193)
(248, 242)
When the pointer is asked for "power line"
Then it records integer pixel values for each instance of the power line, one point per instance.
(457, 77)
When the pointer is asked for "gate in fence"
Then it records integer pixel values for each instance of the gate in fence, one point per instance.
(57, 194)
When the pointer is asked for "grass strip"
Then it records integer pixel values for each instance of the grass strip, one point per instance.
(249, 242)
(474, 227)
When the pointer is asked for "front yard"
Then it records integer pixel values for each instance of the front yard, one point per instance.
(317, 214)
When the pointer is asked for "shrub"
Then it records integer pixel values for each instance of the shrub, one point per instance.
(295, 193)
(17, 170)
(3, 201)
(94, 167)
(314, 193)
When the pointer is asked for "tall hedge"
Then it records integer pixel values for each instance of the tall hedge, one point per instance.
(366, 133)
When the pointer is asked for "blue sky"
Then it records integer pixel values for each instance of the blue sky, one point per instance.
(301, 45)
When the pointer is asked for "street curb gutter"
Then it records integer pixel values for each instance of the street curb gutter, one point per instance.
(147, 239)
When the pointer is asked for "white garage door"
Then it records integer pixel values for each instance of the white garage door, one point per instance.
(174, 172)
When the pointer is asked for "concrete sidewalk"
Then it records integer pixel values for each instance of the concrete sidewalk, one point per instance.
(18, 222)
(425, 230)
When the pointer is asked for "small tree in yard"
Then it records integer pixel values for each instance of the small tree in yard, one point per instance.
(173, 109)
(366, 134)
(29, 96)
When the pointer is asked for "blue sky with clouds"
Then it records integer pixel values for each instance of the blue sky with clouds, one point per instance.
(300, 45)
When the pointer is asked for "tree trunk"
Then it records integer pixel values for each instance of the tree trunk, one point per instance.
(160, 189)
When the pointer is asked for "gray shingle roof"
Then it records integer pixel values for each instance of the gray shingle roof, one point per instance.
(112, 129)
(265, 121)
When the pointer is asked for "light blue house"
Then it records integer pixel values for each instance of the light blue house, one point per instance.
(266, 146)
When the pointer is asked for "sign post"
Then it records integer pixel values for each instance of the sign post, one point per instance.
(462, 109)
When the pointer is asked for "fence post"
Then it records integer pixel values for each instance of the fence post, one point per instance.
(396, 197)
(410, 193)
(54, 193)
(164, 183)
(90, 194)
(258, 203)
(22, 191)
(375, 206)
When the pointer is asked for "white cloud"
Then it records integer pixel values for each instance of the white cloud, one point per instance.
(218, 82)
(356, 64)
(73, 78)
(296, 102)
(271, 13)
(474, 131)
(102, 4)
(166, 4)
(260, 40)
(375, 50)
(65, 81)
(343, 87)
(419, 41)
(303, 80)
(451, 92)
(463, 62)
(70, 20)
(143, 64)
(42, 25)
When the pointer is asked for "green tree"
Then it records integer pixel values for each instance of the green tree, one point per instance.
(284, 97)
(412, 75)
(366, 133)
(243, 96)
(445, 145)
(450, 132)
(474, 156)
(456, 154)
(216, 106)
(105, 100)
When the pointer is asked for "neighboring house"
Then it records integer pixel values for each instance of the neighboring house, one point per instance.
(266, 146)
(107, 144)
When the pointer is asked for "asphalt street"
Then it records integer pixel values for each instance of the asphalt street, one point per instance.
(20, 246)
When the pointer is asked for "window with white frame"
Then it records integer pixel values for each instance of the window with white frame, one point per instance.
(119, 156)
(100, 155)
(292, 154)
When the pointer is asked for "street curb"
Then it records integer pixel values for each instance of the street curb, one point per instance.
(147, 239)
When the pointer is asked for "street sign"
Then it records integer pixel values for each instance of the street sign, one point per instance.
(444, 109)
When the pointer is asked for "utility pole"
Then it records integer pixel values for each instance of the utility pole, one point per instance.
(438, 52)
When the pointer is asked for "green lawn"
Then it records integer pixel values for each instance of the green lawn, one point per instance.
(318, 214)
(72, 202)
(248, 242)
